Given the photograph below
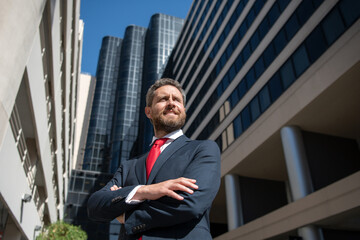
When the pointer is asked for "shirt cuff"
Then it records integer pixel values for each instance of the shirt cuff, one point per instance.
(131, 195)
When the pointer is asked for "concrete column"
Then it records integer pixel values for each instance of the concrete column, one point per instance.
(233, 201)
(296, 162)
(310, 232)
(298, 172)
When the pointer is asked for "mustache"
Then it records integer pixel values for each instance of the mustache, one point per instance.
(168, 109)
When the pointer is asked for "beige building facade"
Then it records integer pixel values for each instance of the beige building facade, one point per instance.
(40, 60)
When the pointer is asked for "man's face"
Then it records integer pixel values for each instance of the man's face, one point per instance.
(167, 110)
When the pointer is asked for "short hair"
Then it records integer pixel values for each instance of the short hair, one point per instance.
(160, 83)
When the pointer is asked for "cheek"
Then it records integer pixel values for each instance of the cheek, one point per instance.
(179, 106)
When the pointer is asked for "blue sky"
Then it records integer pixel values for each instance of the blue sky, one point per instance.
(111, 17)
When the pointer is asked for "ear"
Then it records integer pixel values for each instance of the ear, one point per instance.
(148, 112)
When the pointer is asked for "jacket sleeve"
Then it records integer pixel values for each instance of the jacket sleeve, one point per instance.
(166, 211)
(105, 205)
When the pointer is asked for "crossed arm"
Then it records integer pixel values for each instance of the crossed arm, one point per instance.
(166, 203)
(158, 190)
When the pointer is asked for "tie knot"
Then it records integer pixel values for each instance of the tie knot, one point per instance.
(161, 141)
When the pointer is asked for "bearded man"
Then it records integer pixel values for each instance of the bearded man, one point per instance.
(166, 193)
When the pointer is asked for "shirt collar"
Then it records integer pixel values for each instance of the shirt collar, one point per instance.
(171, 136)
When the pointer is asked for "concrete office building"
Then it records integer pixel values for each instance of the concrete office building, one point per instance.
(85, 94)
(276, 84)
(40, 60)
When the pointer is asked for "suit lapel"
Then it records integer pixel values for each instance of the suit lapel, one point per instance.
(166, 154)
(140, 169)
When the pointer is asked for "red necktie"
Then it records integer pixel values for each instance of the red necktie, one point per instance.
(153, 155)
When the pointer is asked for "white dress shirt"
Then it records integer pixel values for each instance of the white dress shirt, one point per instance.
(171, 137)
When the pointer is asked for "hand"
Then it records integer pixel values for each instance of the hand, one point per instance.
(166, 188)
(121, 218)
(114, 188)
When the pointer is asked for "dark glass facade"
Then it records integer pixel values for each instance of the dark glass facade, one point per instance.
(82, 183)
(97, 151)
(161, 37)
(127, 108)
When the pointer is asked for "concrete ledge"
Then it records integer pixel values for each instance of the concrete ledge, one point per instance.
(334, 199)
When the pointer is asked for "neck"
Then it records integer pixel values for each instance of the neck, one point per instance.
(160, 133)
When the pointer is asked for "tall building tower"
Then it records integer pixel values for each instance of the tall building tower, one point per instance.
(97, 149)
(126, 111)
(275, 84)
(161, 37)
(39, 67)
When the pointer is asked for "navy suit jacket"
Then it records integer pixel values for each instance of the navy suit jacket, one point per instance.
(165, 218)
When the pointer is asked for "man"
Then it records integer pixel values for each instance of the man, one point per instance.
(172, 199)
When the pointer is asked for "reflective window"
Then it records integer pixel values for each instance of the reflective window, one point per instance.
(275, 87)
(301, 60)
(304, 11)
(232, 72)
(242, 88)
(292, 26)
(245, 117)
(263, 28)
(315, 44)
(78, 184)
(333, 26)
(350, 11)
(283, 4)
(269, 55)
(259, 67)
(254, 41)
(250, 78)
(287, 74)
(237, 126)
(246, 52)
(280, 41)
(274, 13)
(264, 98)
(255, 108)
(238, 63)
(234, 98)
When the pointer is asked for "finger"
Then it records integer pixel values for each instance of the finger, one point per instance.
(187, 179)
(114, 188)
(174, 195)
(188, 184)
(184, 189)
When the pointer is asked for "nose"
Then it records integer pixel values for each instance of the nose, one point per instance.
(171, 101)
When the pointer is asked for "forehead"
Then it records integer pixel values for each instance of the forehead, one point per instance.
(167, 90)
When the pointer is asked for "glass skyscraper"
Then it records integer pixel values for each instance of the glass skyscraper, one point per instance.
(97, 152)
(126, 111)
(124, 67)
(160, 39)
